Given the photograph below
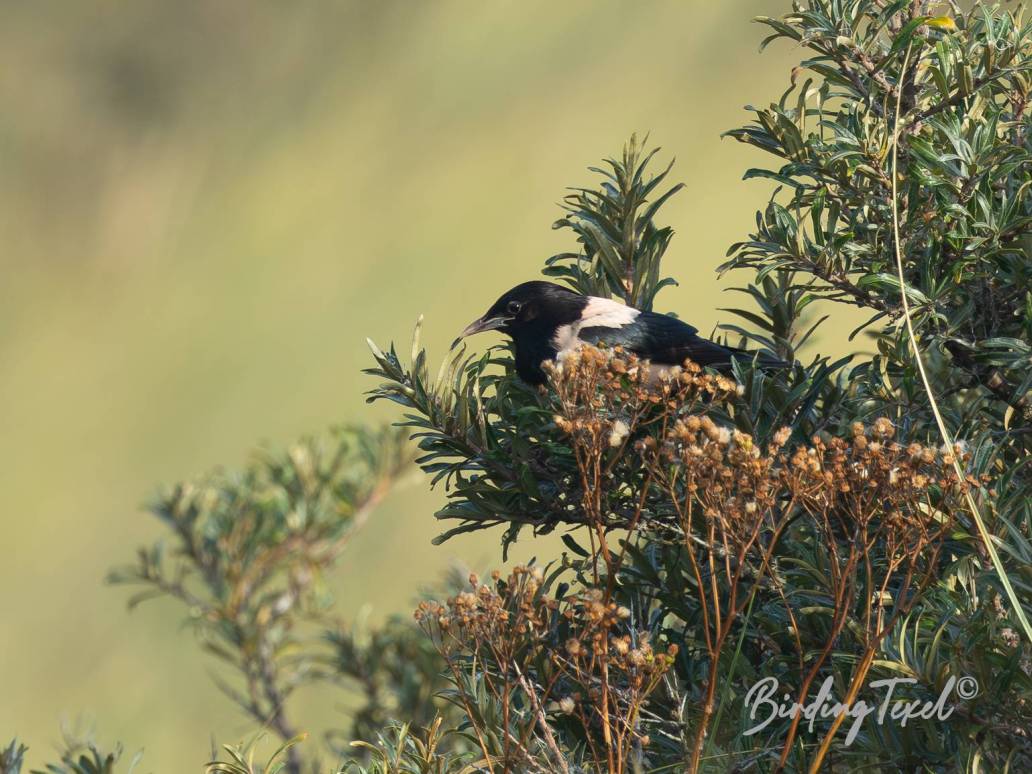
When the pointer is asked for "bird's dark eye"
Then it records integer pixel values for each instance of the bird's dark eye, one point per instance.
(514, 307)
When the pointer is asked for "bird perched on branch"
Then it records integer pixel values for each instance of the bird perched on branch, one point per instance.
(546, 321)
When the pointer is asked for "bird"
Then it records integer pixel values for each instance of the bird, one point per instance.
(547, 321)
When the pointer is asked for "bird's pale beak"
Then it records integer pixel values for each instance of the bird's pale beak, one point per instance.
(483, 324)
(480, 325)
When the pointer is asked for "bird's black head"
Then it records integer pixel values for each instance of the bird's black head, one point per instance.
(532, 309)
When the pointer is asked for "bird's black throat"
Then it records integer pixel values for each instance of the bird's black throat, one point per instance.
(533, 347)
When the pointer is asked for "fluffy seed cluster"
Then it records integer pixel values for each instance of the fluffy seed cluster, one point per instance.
(606, 399)
(489, 612)
(598, 624)
(605, 393)
(872, 475)
(578, 656)
(608, 402)
(501, 613)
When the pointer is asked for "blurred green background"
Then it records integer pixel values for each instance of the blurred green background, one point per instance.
(207, 206)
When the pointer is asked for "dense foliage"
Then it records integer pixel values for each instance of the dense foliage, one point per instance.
(830, 525)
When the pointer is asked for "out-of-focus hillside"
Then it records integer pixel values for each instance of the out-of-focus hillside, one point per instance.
(207, 207)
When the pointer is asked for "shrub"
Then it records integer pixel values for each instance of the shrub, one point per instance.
(822, 526)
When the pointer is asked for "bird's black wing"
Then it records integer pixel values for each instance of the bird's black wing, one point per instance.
(661, 339)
